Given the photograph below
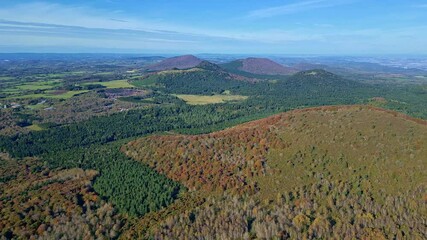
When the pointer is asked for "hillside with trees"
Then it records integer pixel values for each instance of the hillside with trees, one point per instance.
(344, 168)
(38, 202)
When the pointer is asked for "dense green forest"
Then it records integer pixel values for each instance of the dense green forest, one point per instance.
(199, 81)
(132, 187)
(119, 126)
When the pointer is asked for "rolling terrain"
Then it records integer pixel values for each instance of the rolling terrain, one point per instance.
(213, 120)
(106, 148)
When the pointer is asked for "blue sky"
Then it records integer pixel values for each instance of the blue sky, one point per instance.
(328, 27)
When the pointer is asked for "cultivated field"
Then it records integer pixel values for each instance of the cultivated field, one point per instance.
(113, 84)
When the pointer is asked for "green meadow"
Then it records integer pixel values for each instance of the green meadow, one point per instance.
(51, 94)
(113, 84)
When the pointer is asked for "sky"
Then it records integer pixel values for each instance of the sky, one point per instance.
(323, 27)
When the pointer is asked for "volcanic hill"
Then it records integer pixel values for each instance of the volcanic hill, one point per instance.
(179, 62)
(262, 66)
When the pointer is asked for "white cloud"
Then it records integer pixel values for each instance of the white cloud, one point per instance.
(294, 7)
(65, 18)
(45, 24)
(50, 13)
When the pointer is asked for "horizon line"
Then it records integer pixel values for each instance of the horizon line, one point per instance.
(230, 54)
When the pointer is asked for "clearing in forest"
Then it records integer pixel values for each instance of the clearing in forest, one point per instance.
(209, 99)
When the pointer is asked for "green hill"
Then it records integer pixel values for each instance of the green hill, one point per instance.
(205, 78)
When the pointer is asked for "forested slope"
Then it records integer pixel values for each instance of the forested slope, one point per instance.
(37, 202)
(326, 172)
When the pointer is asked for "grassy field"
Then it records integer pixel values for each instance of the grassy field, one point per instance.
(21, 89)
(5, 78)
(10, 90)
(51, 94)
(37, 106)
(38, 85)
(103, 73)
(206, 99)
(34, 87)
(114, 84)
(35, 127)
(27, 90)
(58, 75)
(148, 81)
